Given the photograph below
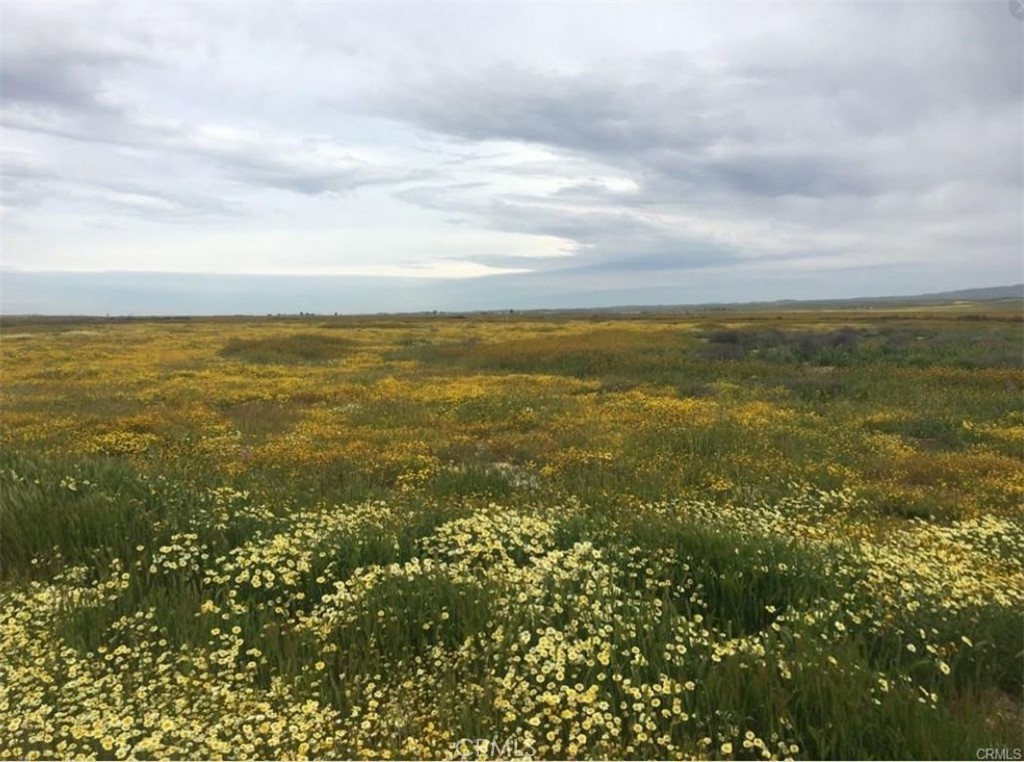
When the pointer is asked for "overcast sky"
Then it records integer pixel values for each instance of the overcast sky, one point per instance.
(458, 155)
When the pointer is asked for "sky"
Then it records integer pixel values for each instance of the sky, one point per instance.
(225, 157)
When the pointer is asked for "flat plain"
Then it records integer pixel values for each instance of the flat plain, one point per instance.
(746, 534)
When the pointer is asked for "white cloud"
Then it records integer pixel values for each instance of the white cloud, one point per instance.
(588, 145)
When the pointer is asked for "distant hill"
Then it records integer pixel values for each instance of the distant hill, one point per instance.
(966, 295)
(989, 294)
(980, 294)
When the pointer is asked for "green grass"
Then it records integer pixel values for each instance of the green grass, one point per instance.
(298, 348)
(483, 553)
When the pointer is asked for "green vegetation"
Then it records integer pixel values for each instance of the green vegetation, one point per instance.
(757, 535)
(297, 348)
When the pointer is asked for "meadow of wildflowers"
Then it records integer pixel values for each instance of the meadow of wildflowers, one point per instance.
(731, 535)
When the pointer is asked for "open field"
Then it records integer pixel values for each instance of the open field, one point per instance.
(726, 535)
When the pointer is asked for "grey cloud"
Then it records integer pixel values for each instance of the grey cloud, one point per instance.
(310, 169)
(750, 135)
(591, 190)
(774, 121)
(834, 141)
(849, 132)
(623, 243)
(44, 80)
(53, 90)
(800, 173)
(52, 76)
(28, 183)
(581, 112)
(260, 160)
(598, 240)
